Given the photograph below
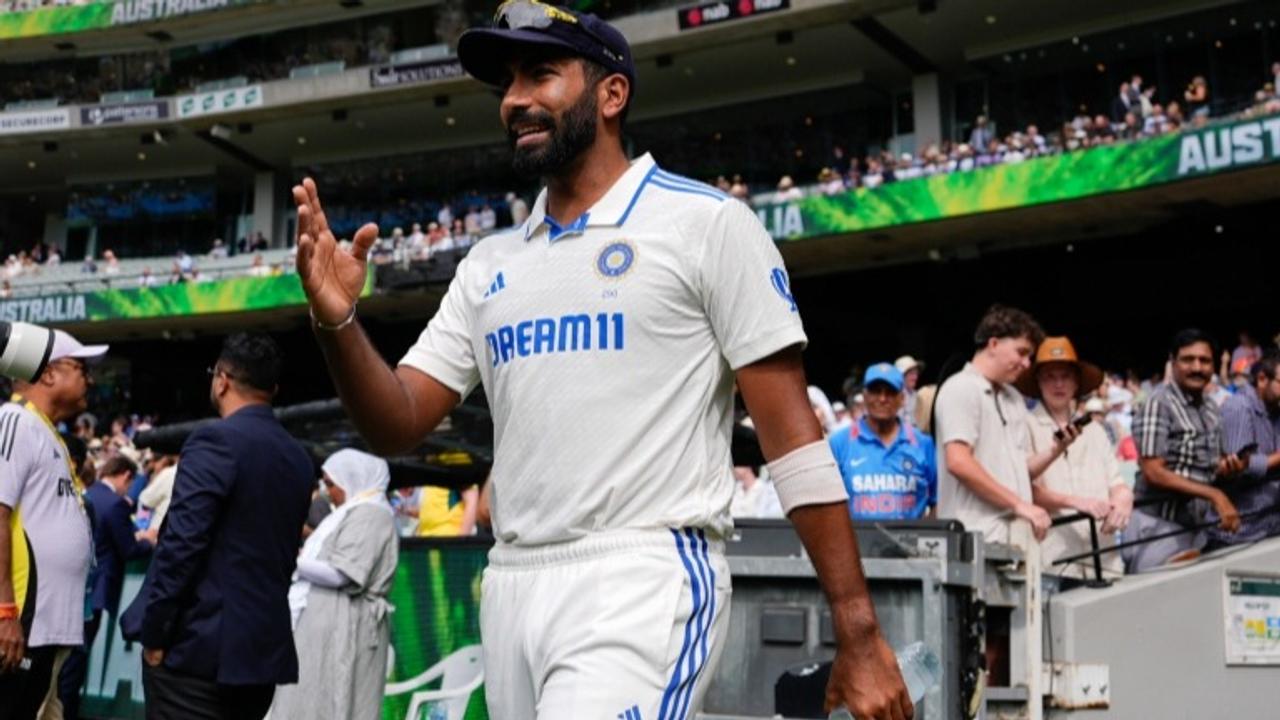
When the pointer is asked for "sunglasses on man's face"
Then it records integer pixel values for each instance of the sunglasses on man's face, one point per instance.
(77, 365)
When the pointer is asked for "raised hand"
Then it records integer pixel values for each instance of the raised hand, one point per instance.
(333, 278)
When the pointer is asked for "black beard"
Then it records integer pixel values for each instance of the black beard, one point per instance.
(571, 137)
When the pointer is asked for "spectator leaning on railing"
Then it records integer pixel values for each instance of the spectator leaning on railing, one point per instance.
(980, 417)
(1179, 438)
(1073, 468)
(1251, 419)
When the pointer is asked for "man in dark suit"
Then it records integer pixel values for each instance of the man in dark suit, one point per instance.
(1122, 104)
(115, 543)
(214, 619)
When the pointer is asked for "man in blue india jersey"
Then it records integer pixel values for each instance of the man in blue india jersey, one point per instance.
(887, 464)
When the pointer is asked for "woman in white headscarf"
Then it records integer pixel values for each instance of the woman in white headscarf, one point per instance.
(338, 598)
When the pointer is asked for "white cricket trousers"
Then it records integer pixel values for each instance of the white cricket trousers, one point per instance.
(621, 625)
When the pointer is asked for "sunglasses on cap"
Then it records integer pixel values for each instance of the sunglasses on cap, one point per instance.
(523, 14)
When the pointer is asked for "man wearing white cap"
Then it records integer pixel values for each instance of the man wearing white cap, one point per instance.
(45, 542)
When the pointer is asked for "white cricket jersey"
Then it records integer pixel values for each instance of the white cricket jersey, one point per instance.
(607, 349)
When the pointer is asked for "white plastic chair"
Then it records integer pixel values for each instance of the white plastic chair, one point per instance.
(459, 674)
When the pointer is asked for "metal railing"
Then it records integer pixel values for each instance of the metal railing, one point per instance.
(1097, 551)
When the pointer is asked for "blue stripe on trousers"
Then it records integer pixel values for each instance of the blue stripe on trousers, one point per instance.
(674, 683)
(698, 654)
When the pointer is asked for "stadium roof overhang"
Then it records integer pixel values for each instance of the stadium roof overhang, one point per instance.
(819, 44)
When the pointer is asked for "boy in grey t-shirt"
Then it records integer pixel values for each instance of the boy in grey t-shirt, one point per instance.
(981, 431)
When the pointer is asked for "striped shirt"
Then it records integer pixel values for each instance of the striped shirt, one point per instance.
(1245, 420)
(1184, 431)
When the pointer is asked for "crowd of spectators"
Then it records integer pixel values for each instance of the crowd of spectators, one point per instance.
(476, 217)
(183, 266)
(149, 485)
(1193, 451)
(461, 221)
(448, 232)
(1135, 114)
(985, 147)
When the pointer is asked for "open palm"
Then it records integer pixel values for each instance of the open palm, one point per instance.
(332, 278)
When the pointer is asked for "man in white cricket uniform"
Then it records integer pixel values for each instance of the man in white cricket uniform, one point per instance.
(607, 351)
(608, 331)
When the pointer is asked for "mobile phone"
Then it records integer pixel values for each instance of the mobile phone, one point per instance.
(1244, 452)
(1079, 423)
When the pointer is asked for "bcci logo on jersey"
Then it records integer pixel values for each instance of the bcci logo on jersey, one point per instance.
(615, 259)
(782, 285)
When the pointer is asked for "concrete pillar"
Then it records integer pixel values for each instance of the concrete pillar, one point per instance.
(264, 206)
(927, 109)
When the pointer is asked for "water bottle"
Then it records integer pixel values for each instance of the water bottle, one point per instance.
(434, 710)
(920, 670)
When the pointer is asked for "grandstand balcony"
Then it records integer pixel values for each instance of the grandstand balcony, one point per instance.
(934, 218)
(788, 92)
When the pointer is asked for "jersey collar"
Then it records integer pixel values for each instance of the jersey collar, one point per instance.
(611, 210)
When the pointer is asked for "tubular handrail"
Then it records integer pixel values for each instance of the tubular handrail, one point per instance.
(1097, 552)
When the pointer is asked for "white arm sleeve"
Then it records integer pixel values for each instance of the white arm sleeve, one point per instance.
(808, 475)
(321, 574)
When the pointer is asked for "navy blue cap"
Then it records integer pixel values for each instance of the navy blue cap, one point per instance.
(885, 373)
(485, 52)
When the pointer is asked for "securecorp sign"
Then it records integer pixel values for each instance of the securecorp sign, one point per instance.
(34, 121)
